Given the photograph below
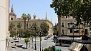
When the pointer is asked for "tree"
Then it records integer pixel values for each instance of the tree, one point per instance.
(35, 29)
(86, 11)
(26, 41)
(44, 28)
(12, 33)
(11, 25)
(82, 11)
(62, 8)
(19, 26)
(24, 17)
(76, 8)
(26, 33)
(28, 17)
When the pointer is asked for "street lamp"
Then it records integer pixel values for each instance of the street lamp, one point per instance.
(32, 41)
(35, 38)
(40, 40)
(32, 36)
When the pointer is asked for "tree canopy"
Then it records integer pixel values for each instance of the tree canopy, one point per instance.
(11, 25)
(79, 9)
(44, 28)
(19, 25)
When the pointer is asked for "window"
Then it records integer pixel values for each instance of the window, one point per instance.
(11, 18)
(62, 24)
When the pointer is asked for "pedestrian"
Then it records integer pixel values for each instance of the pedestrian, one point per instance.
(82, 32)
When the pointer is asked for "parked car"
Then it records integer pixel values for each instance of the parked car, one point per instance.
(49, 35)
(46, 38)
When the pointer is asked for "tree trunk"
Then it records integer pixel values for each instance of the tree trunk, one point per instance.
(84, 28)
(25, 24)
(79, 29)
(59, 26)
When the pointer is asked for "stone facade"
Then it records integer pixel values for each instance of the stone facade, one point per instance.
(13, 19)
(4, 14)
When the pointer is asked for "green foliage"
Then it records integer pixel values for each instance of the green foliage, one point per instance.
(76, 8)
(55, 32)
(44, 28)
(19, 30)
(26, 33)
(61, 7)
(11, 25)
(34, 29)
(29, 17)
(19, 25)
(12, 33)
(24, 16)
(26, 41)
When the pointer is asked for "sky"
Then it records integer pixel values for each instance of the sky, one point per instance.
(37, 7)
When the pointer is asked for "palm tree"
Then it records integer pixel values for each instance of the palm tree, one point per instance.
(24, 17)
(28, 17)
(26, 41)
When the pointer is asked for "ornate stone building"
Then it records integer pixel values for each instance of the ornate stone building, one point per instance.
(13, 19)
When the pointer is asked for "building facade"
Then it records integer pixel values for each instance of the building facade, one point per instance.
(13, 19)
(4, 14)
(69, 27)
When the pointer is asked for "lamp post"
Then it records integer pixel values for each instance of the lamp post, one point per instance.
(40, 40)
(35, 38)
(32, 41)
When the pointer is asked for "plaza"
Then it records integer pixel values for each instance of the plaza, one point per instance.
(44, 44)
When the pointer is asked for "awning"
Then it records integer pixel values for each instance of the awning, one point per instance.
(69, 38)
(84, 41)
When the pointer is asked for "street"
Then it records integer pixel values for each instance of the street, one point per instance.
(44, 44)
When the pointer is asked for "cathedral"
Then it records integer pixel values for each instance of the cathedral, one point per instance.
(13, 19)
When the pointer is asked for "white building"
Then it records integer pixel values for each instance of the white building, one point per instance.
(4, 14)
